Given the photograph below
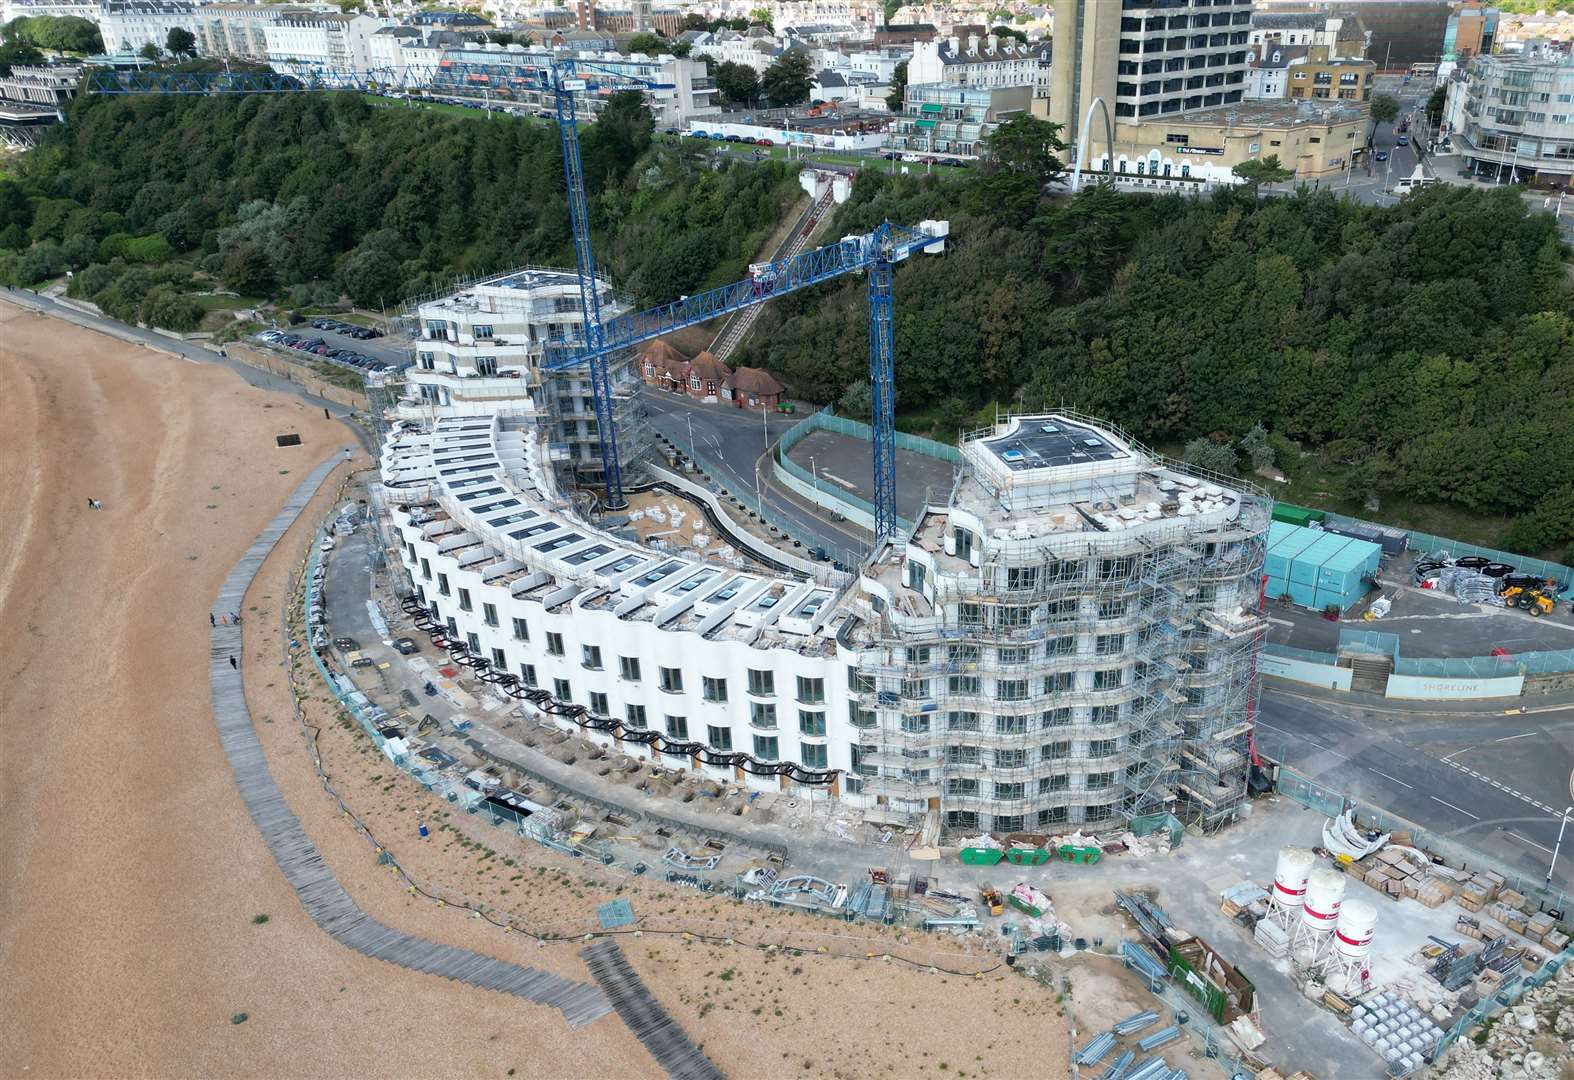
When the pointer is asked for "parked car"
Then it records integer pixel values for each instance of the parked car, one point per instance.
(348, 644)
(763, 142)
(1382, 155)
(1403, 140)
(697, 135)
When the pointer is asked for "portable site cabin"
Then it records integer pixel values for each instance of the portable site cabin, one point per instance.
(1318, 569)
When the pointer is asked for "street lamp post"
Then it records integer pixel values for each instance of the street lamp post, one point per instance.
(1553, 865)
(816, 470)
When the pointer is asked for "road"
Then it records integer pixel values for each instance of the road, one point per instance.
(729, 442)
(1493, 780)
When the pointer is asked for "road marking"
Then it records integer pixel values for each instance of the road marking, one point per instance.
(1451, 806)
(1511, 738)
(1395, 779)
(1527, 840)
(1456, 753)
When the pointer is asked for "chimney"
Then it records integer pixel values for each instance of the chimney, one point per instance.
(972, 44)
(994, 42)
(954, 48)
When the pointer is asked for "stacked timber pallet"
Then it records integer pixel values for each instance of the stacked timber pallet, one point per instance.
(1397, 875)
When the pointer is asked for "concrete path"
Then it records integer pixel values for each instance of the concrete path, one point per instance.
(312, 879)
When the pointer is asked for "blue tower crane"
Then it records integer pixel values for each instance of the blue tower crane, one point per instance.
(876, 252)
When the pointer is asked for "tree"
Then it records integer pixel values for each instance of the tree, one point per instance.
(149, 51)
(1435, 105)
(180, 42)
(1253, 174)
(738, 83)
(857, 401)
(760, 15)
(1007, 33)
(1255, 443)
(64, 34)
(649, 44)
(898, 95)
(1385, 108)
(786, 82)
(1204, 453)
(1027, 146)
(18, 53)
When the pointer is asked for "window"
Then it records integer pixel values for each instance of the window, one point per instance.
(915, 689)
(1056, 717)
(811, 723)
(859, 682)
(1105, 714)
(670, 679)
(1061, 683)
(1011, 759)
(761, 683)
(713, 689)
(961, 785)
(961, 721)
(962, 755)
(1010, 725)
(1016, 655)
(442, 584)
(521, 630)
(1108, 679)
(1100, 780)
(591, 656)
(1099, 813)
(634, 717)
(1011, 689)
(1112, 609)
(464, 599)
(453, 627)
(1048, 785)
(859, 717)
(1101, 748)
(762, 715)
(628, 668)
(765, 747)
(917, 654)
(1055, 751)
(554, 643)
(1053, 815)
(486, 366)
(963, 685)
(426, 570)
(678, 727)
(1011, 790)
(474, 644)
(1061, 646)
(1105, 644)
(499, 660)
(963, 819)
(811, 755)
(562, 690)
(1021, 578)
(527, 675)
(811, 691)
(719, 738)
(915, 723)
(598, 703)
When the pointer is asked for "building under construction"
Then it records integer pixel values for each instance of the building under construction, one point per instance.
(1067, 640)
(1070, 641)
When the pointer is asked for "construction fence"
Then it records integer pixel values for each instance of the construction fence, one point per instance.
(1455, 854)
(1425, 543)
(1507, 996)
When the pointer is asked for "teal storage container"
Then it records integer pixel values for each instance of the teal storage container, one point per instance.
(1282, 554)
(1278, 530)
(1276, 588)
(1349, 567)
(1302, 594)
(1327, 598)
(1305, 566)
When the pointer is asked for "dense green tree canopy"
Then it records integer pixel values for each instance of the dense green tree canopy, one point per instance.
(738, 83)
(59, 34)
(787, 81)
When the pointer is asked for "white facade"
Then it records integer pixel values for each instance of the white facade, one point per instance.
(984, 63)
(1065, 642)
(338, 42)
(240, 30)
(128, 26)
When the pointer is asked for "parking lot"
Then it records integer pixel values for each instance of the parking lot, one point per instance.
(347, 345)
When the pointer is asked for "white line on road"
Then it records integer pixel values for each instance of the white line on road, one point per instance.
(1456, 753)
(1395, 779)
(1528, 840)
(1511, 738)
(1451, 806)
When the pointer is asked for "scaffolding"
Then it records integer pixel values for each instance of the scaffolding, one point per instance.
(1076, 680)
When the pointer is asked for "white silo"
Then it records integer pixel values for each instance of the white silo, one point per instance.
(1289, 885)
(1320, 913)
(1349, 962)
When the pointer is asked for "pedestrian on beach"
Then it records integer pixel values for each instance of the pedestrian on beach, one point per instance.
(325, 415)
(211, 620)
(233, 664)
(235, 617)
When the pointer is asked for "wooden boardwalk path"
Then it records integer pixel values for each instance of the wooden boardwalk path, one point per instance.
(650, 1023)
(320, 892)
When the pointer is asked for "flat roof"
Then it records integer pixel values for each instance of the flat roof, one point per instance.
(1050, 443)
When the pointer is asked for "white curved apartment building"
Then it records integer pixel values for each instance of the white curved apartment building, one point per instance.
(1070, 640)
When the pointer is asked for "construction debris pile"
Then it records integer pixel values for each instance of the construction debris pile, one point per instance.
(1125, 1066)
(1533, 1040)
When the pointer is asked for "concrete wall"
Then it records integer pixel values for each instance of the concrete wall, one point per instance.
(1326, 675)
(1435, 688)
(823, 498)
(296, 373)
